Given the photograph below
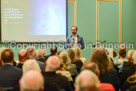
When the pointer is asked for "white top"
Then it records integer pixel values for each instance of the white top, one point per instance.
(119, 62)
(75, 38)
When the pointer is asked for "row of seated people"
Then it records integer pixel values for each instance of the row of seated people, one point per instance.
(66, 68)
(59, 71)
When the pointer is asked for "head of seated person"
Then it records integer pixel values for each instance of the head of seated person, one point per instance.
(52, 64)
(92, 67)
(7, 56)
(102, 60)
(72, 55)
(31, 52)
(40, 53)
(32, 81)
(30, 65)
(86, 79)
(23, 55)
(130, 53)
(65, 61)
(122, 54)
(53, 50)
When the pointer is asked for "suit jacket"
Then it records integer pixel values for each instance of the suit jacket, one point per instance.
(9, 76)
(46, 57)
(61, 81)
(79, 41)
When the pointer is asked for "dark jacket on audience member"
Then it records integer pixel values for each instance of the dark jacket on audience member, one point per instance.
(46, 57)
(131, 81)
(126, 72)
(9, 76)
(19, 65)
(61, 81)
(41, 60)
(110, 77)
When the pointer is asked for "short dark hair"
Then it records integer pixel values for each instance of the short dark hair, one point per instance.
(75, 27)
(7, 55)
(53, 51)
(122, 53)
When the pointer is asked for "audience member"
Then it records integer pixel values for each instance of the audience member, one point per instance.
(122, 55)
(30, 65)
(86, 79)
(31, 53)
(128, 71)
(107, 73)
(53, 52)
(79, 55)
(94, 68)
(130, 54)
(73, 58)
(32, 81)
(9, 75)
(40, 55)
(53, 63)
(128, 63)
(1, 50)
(22, 56)
(62, 71)
(64, 58)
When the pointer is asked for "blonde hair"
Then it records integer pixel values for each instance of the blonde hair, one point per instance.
(130, 53)
(134, 57)
(78, 53)
(30, 65)
(65, 60)
(72, 55)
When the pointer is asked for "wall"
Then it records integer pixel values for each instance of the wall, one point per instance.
(128, 20)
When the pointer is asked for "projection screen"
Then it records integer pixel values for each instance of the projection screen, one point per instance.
(33, 20)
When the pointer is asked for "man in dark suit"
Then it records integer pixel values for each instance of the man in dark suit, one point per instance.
(74, 40)
(52, 64)
(9, 75)
(53, 52)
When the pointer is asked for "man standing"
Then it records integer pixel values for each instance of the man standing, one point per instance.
(74, 40)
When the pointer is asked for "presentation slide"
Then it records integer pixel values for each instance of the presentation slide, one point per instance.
(33, 20)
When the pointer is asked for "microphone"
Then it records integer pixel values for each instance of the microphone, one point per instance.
(103, 41)
(73, 39)
(100, 42)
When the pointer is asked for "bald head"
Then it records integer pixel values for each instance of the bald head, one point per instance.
(85, 79)
(23, 55)
(32, 81)
(53, 63)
